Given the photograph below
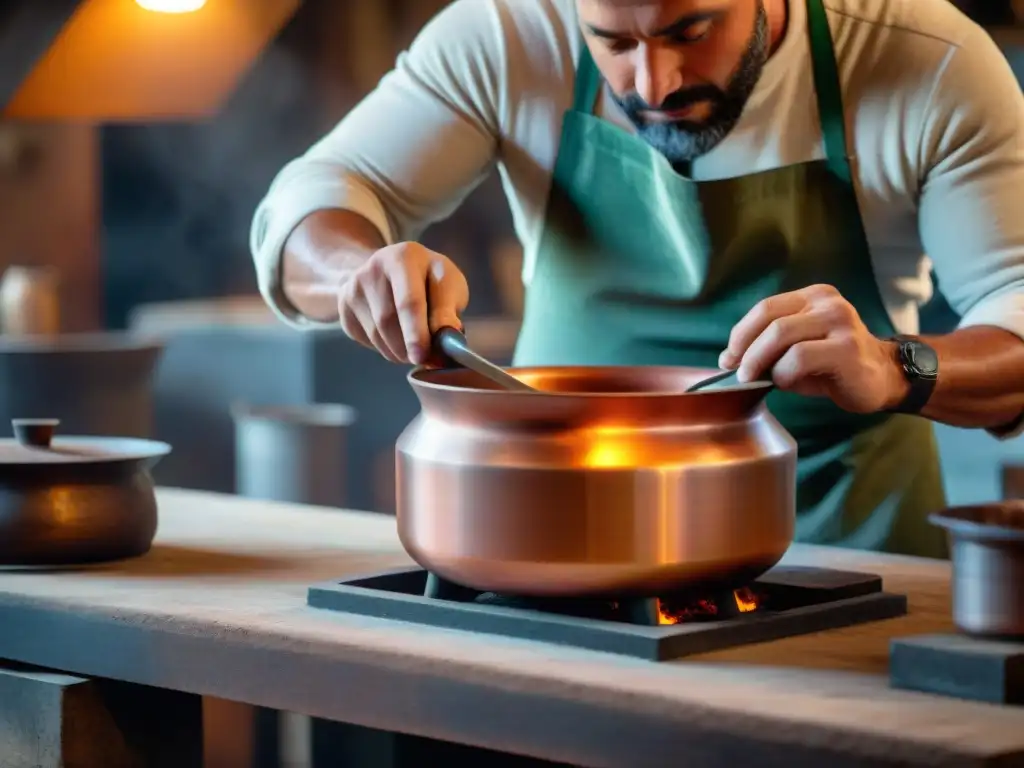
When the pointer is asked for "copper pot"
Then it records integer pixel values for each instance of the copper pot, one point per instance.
(610, 481)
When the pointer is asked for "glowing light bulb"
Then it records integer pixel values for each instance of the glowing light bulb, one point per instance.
(172, 6)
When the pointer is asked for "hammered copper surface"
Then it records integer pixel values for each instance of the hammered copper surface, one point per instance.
(76, 523)
(607, 481)
(75, 500)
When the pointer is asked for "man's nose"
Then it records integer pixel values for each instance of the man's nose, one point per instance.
(658, 74)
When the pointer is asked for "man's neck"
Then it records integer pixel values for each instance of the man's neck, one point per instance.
(778, 18)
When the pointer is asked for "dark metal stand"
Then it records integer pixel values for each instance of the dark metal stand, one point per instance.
(442, 589)
(792, 601)
(643, 611)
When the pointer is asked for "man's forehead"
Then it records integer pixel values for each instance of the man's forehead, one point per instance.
(679, 6)
(625, 14)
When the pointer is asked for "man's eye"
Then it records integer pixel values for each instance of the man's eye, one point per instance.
(695, 32)
(621, 46)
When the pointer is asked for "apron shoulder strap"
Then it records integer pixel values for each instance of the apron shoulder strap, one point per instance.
(828, 86)
(588, 81)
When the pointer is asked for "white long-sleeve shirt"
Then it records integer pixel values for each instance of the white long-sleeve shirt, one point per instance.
(935, 122)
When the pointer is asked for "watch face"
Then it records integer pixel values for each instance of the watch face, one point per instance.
(922, 359)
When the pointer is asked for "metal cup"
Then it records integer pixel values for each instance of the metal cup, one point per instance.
(294, 453)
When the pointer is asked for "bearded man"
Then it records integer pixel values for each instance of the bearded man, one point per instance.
(761, 185)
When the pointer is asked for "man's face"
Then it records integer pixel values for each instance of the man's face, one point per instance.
(681, 70)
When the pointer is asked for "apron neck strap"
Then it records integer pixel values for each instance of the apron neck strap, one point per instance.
(588, 82)
(829, 89)
(826, 83)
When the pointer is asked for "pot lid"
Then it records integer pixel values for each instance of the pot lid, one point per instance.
(35, 442)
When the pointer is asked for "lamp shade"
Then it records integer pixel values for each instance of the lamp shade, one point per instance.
(172, 6)
(126, 61)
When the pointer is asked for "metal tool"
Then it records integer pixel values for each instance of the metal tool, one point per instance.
(451, 344)
(724, 379)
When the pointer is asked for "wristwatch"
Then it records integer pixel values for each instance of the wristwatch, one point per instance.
(920, 365)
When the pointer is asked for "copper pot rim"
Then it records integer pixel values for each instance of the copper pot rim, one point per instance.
(420, 378)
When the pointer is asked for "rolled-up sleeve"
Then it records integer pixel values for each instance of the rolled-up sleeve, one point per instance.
(408, 154)
(970, 214)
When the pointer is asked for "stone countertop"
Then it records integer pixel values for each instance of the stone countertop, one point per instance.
(218, 608)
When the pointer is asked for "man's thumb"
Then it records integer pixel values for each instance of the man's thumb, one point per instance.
(447, 295)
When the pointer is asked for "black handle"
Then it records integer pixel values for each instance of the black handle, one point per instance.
(451, 344)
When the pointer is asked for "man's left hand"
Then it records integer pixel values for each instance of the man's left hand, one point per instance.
(813, 342)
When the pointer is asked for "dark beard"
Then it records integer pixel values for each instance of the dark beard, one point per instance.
(684, 141)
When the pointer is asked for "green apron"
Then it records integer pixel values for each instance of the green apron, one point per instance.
(638, 265)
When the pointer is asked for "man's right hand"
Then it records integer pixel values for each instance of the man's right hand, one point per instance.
(398, 298)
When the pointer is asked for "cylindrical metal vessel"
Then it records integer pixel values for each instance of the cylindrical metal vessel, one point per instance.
(96, 384)
(611, 481)
(987, 552)
(292, 453)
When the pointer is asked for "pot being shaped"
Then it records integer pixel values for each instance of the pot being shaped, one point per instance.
(609, 481)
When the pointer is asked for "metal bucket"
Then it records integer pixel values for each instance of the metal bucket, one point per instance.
(96, 384)
(987, 552)
(294, 453)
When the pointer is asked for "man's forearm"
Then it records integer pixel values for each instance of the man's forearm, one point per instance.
(981, 379)
(325, 247)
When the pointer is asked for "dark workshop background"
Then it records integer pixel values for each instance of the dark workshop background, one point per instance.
(149, 223)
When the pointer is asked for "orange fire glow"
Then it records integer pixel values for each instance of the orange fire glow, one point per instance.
(746, 602)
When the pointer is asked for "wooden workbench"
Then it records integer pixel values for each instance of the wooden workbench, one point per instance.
(218, 609)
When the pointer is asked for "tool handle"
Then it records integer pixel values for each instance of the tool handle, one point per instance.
(450, 344)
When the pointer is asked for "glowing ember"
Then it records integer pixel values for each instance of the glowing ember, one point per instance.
(746, 602)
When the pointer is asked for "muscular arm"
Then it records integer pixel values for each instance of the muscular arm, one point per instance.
(972, 228)
(319, 253)
(406, 156)
(970, 162)
(981, 381)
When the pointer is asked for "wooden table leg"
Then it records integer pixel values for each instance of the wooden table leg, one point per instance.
(238, 735)
(55, 720)
(1013, 481)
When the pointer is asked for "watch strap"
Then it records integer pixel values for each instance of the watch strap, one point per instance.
(922, 384)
